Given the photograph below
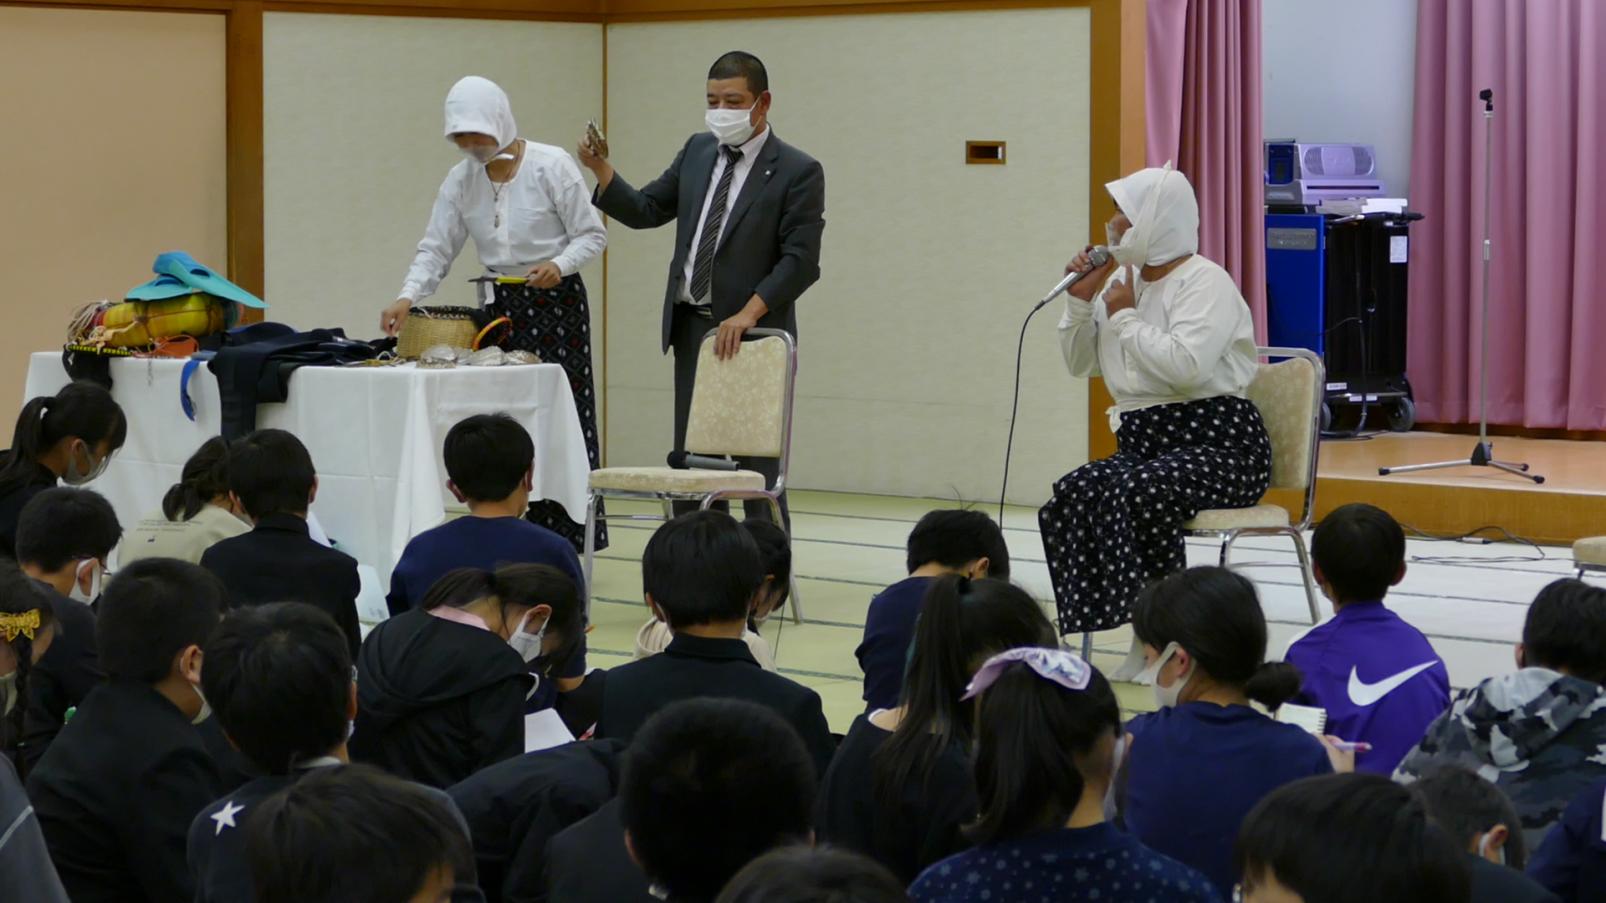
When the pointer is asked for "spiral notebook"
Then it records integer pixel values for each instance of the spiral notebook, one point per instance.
(1308, 717)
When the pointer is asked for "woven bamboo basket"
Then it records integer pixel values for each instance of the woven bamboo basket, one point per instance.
(427, 327)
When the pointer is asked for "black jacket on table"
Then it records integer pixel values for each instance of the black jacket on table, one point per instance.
(437, 700)
(588, 862)
(217, 844)
(515, 808)
(770, 245)
(693, 666)
(62, 678)
(279, 561)
(116, 792)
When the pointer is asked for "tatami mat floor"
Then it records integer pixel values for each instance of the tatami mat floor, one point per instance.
(1469, 599)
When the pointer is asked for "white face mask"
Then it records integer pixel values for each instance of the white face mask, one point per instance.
(527, 645)
(1483, 849)
(95, 575)
(206, 707)
(1133, 249)
(8, 693)
(76, 476)
(731, 127)
(1166, 697)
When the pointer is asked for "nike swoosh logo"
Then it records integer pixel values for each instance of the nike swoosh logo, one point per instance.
(1364, 694)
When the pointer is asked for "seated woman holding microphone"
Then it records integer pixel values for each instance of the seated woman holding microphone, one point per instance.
(1172, 337)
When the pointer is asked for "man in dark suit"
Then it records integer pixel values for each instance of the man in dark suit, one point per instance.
(272, 478)
(749, 212)
(700, 571)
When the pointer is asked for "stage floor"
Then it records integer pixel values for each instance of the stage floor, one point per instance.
(1571, 503)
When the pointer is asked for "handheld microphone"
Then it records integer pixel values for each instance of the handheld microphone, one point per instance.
(1098, 257)
(680, 460)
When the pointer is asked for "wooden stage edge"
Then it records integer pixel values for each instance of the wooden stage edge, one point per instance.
(1571, 503)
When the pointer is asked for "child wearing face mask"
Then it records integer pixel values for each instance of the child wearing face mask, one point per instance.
(1195, 767)
(116, 791)
(63, 539)
(776, 551)
(442, 689)
(68, 437)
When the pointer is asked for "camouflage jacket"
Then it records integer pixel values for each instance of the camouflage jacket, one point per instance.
(1539, 735)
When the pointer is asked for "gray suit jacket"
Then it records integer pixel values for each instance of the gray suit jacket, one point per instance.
(771, 243)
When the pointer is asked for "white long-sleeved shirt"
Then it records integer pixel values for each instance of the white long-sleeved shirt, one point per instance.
(1189, 337)
(744, 165)
(545, 213)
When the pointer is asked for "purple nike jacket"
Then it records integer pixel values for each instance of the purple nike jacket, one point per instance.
(1378, 678)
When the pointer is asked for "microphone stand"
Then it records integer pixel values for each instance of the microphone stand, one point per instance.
(1483, 453)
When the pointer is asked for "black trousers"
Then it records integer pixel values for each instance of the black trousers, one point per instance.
(686, 339)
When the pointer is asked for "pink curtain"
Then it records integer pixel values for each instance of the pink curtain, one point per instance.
(1203, 113)
(1546, 62)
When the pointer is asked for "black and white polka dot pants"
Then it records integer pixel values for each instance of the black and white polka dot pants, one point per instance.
(1113, 526)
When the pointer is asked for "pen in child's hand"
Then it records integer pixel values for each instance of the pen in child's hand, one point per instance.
(1347, 746)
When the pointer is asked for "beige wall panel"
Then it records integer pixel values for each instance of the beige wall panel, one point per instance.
(114, 152)
(908, 340)
(355, 153)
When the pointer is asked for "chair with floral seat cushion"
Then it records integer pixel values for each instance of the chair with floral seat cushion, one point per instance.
(1288, 394)
(740, 408)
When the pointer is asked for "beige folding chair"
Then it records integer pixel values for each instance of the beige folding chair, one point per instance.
(740, 407)
(1589, 555)
(1289, 396)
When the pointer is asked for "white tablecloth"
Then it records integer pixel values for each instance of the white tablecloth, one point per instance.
(375, 435)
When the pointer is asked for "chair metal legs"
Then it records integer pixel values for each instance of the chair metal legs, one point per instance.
(1300, 550)
(590, 550)
(1306, 574)
(792, 590)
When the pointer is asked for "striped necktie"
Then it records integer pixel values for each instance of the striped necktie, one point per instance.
(702, 273)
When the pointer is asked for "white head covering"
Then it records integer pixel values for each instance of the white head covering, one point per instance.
(479, 106)
(1164, 215)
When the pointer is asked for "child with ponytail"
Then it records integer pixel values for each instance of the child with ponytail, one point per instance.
(1196, 767)
(69, 436)
(197, 512)
(899, 787)
(1046, 730)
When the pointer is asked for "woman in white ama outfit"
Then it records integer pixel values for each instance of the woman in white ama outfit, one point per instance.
(1173, 339)
(529, 211)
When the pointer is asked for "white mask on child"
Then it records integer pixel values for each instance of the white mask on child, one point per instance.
(527, 645)
(1166, 697)
(206, 707)
(1483, 849)
(96, 572)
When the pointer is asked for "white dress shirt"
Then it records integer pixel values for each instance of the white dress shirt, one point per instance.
(543, 213)
(750, 152)
(1189, 337)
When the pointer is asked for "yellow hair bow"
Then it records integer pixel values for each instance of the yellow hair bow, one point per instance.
(25, 623)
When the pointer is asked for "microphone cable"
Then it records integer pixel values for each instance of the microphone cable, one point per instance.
(1014, 412)
(1099, 256)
